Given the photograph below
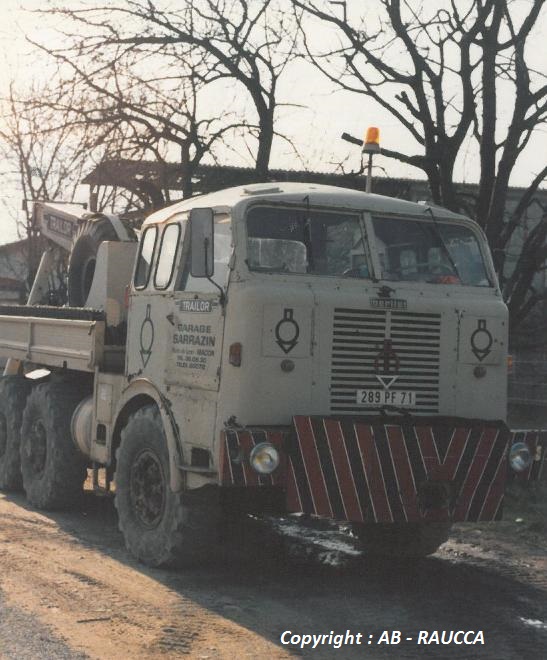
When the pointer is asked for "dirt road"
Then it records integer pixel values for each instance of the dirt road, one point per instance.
(69, 590)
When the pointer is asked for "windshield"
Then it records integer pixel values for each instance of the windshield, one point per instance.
(302, 240)
(428, 251)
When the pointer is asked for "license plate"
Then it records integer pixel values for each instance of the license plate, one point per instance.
(400, 398)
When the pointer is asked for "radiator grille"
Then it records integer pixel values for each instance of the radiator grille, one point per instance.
(358, 340)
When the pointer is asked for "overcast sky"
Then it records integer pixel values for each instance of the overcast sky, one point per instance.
(316, 130)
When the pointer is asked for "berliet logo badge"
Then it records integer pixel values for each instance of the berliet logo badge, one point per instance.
(386, 364)
(386, 361)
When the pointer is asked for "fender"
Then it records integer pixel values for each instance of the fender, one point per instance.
(143, 386)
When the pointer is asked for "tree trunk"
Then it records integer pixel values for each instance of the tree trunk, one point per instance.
(449, 197)
(265, 140)
(186, 171)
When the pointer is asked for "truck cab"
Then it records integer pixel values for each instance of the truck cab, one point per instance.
(290, 347)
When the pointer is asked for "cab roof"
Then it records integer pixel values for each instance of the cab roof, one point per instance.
(319, 195)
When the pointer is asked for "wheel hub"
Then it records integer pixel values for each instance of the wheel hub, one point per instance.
(148, 489)
(3, 435)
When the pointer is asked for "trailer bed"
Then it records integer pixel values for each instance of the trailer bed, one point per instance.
(65, 337)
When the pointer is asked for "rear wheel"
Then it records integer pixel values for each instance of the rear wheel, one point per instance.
(83, 257)
(13, 395)
(53, 469)
(160, 527)
(405, 540)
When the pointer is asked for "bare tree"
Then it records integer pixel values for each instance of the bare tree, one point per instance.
(48, 152)
(151, 66)
(47, 160)
(153, 112)
(439, 71)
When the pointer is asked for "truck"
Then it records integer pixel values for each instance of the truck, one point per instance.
(275, 347)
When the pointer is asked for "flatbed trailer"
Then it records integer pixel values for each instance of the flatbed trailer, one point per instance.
(37, 335)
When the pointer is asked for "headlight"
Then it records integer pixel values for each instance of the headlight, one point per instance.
(520, 457)
(264, 458)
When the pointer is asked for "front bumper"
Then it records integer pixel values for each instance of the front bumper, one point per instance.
(388, 469)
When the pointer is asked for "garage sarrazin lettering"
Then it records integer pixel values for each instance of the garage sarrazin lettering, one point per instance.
(194, 340)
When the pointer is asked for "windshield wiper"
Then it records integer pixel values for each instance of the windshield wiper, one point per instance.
(442, 245)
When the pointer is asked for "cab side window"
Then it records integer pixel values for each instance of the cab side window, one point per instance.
(170, 240)
(145, 258)
(223, 248)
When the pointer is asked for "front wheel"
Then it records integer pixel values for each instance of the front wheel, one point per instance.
(404, 540)
(160, 527)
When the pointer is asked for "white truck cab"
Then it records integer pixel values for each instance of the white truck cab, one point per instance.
(333, 302)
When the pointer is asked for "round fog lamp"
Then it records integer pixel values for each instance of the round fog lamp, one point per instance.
(520, 457)
(264, 458)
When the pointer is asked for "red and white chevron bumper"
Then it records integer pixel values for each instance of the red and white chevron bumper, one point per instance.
(384, 469)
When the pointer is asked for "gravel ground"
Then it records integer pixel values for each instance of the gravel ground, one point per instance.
(69, 590)
(23, 637)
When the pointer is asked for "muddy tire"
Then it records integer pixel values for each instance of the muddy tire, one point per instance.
(53, 469)
(13, 396)
(404, 540)
(83, 257)
(160, 527)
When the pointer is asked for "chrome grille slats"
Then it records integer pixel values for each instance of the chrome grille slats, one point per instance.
(358, 337)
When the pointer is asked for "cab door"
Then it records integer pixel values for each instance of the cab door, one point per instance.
(176, 320)
(146, 333)
(196, 315)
